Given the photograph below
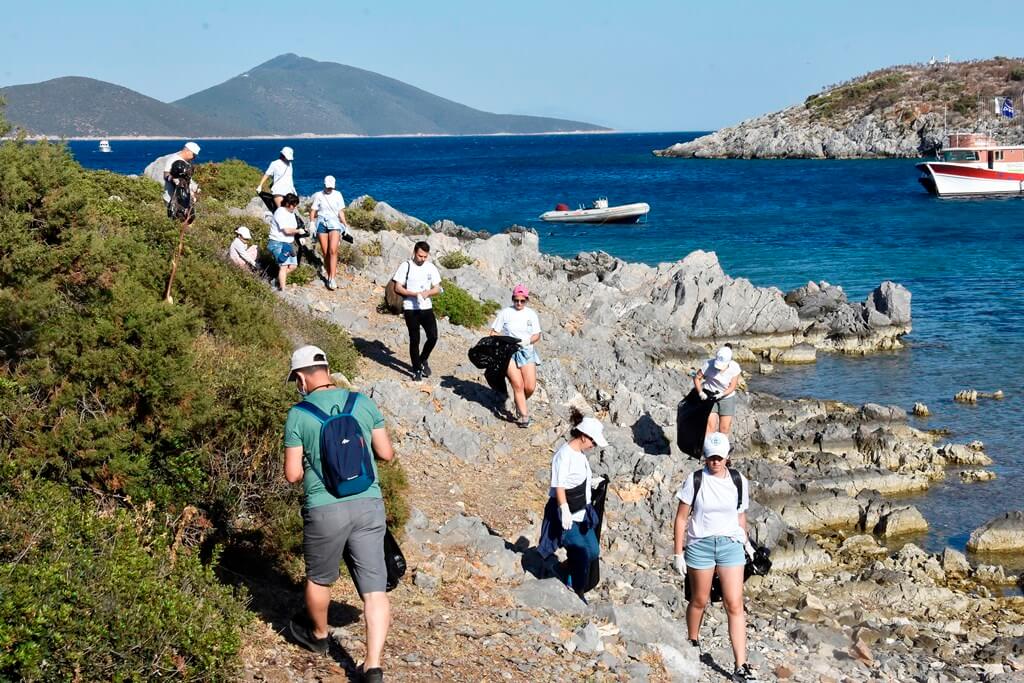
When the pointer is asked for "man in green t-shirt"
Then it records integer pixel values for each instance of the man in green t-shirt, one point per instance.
(331, 524)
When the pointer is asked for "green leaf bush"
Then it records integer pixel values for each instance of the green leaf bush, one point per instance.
(454, 260)
(461, 308)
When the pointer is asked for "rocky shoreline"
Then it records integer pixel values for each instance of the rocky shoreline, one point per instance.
(838, 605)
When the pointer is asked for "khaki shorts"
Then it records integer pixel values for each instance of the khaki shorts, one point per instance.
(726, 407)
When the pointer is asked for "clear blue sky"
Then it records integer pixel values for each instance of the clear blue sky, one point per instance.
(640, 65)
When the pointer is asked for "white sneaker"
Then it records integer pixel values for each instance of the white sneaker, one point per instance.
(332, 284)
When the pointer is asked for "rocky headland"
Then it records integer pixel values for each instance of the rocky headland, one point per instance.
(847, 599)
(901, 111)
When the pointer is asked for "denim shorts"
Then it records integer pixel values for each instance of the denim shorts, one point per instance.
(283, 252)
(526, 356)
(715, 551)
(726, 407)
(324, 226)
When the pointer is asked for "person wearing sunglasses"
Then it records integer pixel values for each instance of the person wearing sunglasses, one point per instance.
(521, 322)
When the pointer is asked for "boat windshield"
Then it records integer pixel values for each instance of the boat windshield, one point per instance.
(959, 155)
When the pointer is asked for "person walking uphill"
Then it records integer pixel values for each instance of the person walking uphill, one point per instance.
(333, 524)
(569, 502)
(521, 322)
(327, 213)
(710, 535)
(717, 381)
(280, 171)
(417, 281)
(281, 242)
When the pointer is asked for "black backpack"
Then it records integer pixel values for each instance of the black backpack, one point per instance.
(698, 479)
(344, 454)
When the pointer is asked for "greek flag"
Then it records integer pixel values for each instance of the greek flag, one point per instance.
(1007, 108)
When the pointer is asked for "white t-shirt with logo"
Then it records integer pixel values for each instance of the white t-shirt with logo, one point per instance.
(280, 173)
(714, 513)
(569, 469)
(420, 279)
(328, 206)
(521, 324)
(717, 381)
(283, 219)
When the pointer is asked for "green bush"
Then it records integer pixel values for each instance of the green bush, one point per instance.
(454, 260)
(965, 105)
(104, 595)
(1017, 73)
(374, 248)
(231, 181)
(302, 275)
(368, 203)
(461, 308)
(364, 219)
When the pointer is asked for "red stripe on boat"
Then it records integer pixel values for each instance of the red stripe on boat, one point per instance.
(974, 172)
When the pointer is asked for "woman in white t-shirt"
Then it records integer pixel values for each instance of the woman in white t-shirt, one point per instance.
(710, 537)
(280, 172)
(520, 321)
(327, 213)
(281, 243)
(571, 489)
(717, 381)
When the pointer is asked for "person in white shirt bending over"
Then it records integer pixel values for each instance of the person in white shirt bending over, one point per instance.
(241, 253)
(327, 213)
(280, 170)
(710, 536)
(717, 382)
(520, 321)
(417, 281)
(283, 229)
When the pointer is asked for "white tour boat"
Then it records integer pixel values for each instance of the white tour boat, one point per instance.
(599, 212)
(974, 164)
(104, 145)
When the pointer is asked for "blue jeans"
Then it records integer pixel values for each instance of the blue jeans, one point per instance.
(580, 544)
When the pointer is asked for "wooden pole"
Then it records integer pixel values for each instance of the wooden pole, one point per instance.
(174, 261)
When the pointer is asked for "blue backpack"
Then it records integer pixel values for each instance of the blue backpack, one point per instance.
(344, 454)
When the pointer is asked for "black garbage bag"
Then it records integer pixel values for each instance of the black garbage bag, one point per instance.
(598, 496)
(394, 560)
(492, 354)
(692, 422)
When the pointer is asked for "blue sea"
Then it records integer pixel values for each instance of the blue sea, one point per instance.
(777, 223)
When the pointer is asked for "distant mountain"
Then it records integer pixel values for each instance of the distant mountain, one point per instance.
(291, 95)
(83, 107)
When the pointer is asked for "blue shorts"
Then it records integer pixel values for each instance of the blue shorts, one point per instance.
(714, 551)
(324, 226)
(526, 356)
(283, 252)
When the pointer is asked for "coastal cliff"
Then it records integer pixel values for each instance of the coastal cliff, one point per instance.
(901, 111)
(618, 340)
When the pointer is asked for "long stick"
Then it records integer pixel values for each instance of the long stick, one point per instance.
(174, 261)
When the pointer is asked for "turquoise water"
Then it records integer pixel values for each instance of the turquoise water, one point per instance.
(778, 223)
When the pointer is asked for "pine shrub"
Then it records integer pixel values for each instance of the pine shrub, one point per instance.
(461, 308)
(454, 260)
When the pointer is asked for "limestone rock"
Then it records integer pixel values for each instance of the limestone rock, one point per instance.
(955, 563)
(904, 520)
(969, 476)
(801, 353)
(1002, 534)
(921, 410)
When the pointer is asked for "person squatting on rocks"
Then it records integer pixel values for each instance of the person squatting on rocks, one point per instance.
(710, 537)
(569, 501)
(331, 524)
(417, 281)
(281, 242)
(241, 253)
(327, 214)
(520, 321)
(717, 382)
(180, 176)
(280, 171)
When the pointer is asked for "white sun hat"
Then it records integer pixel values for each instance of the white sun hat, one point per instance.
(306, 357)
(192, 147)
(288, 153)
(243, 232)
(329, 181)
(593, 428)
(723, 358)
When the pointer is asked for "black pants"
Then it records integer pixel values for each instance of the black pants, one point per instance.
(414, 320)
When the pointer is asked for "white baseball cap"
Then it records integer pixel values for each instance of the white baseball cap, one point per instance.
(723, 358)
(716, 445)
(306, 357)
(329, 181)
(288, 153)
(243, 232)
(593, 428)
(192, 147)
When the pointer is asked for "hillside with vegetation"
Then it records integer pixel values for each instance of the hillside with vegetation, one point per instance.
(85, 107)
(900, 111)
(140, 461)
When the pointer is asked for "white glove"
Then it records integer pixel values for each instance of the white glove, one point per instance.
(703, 395)
(566, 516)
(679, 562)
(259, 188)
(749, 548)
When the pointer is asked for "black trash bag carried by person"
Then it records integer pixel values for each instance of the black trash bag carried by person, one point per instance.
(180, 207)
(394, 561)
(268, 201)
(492, 355)
(758, 565)
(692, 423)
(598, 496)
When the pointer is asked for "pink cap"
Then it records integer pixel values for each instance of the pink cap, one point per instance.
(521, 290)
